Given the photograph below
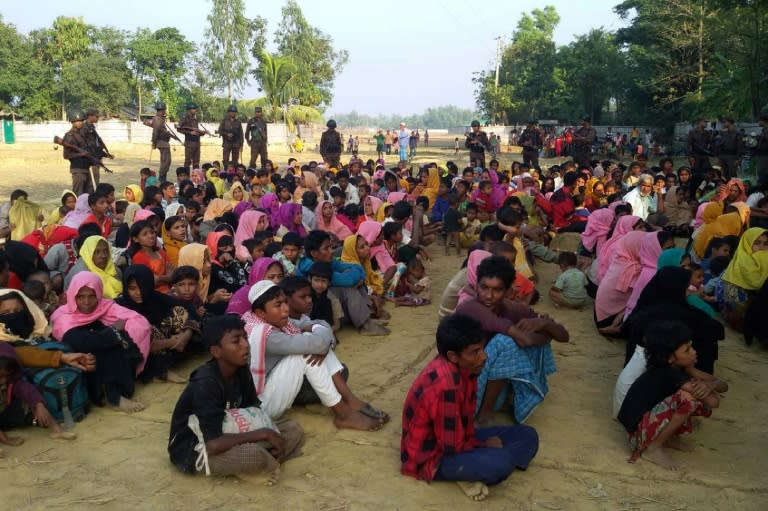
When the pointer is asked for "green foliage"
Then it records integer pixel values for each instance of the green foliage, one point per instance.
(439, 117)
(278, 80)
(311, 50)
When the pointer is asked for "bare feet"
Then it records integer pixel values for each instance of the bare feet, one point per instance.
(356, 420)
(373, 329)
(610, 330)
(475, 490)
(263, 478)
(679, 444)
(657, 455)
(63, 435)
(128, 406)
(384, 315)
(172, 377)
(11, 440)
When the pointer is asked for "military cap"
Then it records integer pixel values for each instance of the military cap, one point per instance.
(191, 105)
(91, 111)
(257, 109)
(475, 123)
(76, 115)
(331, 123)
(160, 105)
(232, 108)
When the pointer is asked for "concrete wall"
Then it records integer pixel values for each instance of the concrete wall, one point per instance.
(135, 132)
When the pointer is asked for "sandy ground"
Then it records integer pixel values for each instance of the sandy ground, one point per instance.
(120, 462)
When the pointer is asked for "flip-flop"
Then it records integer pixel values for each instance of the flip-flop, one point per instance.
(369, 411)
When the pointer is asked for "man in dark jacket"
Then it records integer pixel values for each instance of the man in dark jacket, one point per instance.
(231, 131)
(331, 145)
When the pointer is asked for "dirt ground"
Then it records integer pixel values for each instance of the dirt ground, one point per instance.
(120, 462)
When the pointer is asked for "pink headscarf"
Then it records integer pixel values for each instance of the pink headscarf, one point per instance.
(270, 203)
(246, 227)
(699, 220)
(498, 193)
(596, 232)
(396, 197)
(615, 287)
(335, 227)
(143, 214)
(723, 194)
(624, 225)
(75, 217)
(615, 204)
(375, 205)
(239, 303)
(67, 317)
(369, 230)
(470, 290)
(650, 251)
(198, 177)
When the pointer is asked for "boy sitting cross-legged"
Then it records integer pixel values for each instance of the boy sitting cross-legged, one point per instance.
(224, 383)
(282, 354)
(439, 440)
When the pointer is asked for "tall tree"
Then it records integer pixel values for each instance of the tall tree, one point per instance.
(227, 44)
(313, 53)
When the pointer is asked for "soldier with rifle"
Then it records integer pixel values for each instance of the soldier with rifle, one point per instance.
(730, 150)
(583, 138)
(94, 145)
(192, 131)
(231, 131)
(699, 147)
(256, 135)
(79, 163)
(532, 141)
(161, 139)
(477, 142)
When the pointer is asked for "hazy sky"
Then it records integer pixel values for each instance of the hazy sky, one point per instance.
(402, 60)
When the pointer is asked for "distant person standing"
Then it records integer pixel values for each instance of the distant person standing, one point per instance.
(761, 150)
(403, 137)
(161, 139)
(78, 164)
(331, 145)
(256, 136)
(477, 142)
(531, 140)
(190, 126)
(388, 142)
(426, 138)
(731, 149)
(231, 131)
(380, 140)
(583, 139)
(413, 141)
(93, 142)
(699, 147)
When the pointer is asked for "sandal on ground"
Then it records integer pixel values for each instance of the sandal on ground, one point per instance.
(374, 413)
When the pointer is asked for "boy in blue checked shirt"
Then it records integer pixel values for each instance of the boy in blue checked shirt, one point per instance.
(439, 440)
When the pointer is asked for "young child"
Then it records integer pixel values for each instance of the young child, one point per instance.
(289, 253)
(471, 227)
(282, 354)
(570, 287)
(144, 250)
(145, 174)
(22, 403)
(439, 441)
(452, 226)
(482, 197)
(185, 282)
(581, 212)
(325, 305)
(717, 265)
(198, 441)
(39, 288)
(660, 403)
(456, 146)
(413, 286)
(98, 215)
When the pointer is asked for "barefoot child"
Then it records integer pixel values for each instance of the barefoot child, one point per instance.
(282, 354)
(325, 306)
(221, 384)
(570, 287)
(660, 403)
(439, 441)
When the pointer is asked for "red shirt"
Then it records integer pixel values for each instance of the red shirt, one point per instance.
(559, 207)
(438, 418)
(106, 226)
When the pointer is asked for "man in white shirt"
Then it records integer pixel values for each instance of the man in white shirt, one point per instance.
(645, 203)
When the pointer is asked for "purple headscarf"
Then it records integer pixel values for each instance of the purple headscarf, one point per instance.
(75, 217)
(239, 303)
(285, 218)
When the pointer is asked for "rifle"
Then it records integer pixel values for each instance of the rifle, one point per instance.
(80, 152)
(173, 135)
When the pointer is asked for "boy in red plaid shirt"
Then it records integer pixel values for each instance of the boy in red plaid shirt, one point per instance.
(439, 439)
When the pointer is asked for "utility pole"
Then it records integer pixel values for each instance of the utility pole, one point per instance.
(498, 60)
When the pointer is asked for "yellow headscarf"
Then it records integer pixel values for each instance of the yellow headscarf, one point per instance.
(138, 194)
(55, 217)
(230, 194)
(744, 211)
(748, 269)
(380, 215)
(113, 286)
(217, 182)
(172, 246)
(724, 225)
(432, 187)
(24, 216)
(38, 317)
(216, 208)
(194, 255)
(373, 279)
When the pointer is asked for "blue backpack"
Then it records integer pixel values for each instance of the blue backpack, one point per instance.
(63, 388)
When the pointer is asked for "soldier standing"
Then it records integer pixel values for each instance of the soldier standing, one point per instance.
(699, 142)
(532, 141)
(761, 150)
(731, 149)
(331, 145)
(231, 131)
(477, 142)
(192, 132)
(93, 142)
(256, 135)
(583, 139)
(79, 165)
(161, 138)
